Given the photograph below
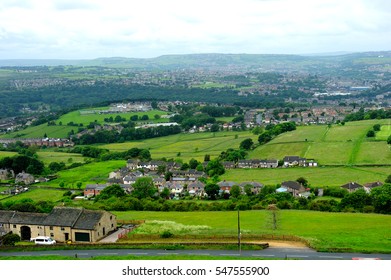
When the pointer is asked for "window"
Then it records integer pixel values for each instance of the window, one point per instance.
(52, 234)
(51, 227)
(14, 226)
(62, 228)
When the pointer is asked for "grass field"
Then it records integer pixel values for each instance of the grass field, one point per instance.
(188, 145)
(38, 195)
(61, 131)
(85, 118)
(7, 154)
(385, 131)
(317, 176)
(324, 231)
(48, 156)
(90, 173)
(337, 145)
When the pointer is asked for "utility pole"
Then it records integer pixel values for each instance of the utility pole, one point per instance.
(239, 235)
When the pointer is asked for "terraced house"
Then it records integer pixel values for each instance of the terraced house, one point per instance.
(62, 224)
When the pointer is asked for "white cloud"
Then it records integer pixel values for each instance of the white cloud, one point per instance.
(147, 28)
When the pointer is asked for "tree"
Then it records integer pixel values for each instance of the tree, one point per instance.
(371, 133)
(212, 190)
(214, 167)
(144, 188)
(193, 163)
(357, 200)
(389, 140)
(79, 184)
(161, 169)
(388, 180)
(246, 144)
(303, 181)
(235, 191)
(376, 127)
(265, 137)
(381, 199)
(111, 191)
(165, 193)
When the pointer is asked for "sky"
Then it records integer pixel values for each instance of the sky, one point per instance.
(88, 29)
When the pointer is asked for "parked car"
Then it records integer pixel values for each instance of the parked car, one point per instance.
(43, 240)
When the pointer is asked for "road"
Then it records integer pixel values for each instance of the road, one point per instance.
(269, 253)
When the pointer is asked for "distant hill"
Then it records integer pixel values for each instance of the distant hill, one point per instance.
(213, 60)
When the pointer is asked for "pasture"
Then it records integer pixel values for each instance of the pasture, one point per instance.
(187, 145)
(322, 230)
(316, 176)
(336, 145)
(48, 156)
(85, 117)
(61, 129)
(38, 194)
(92, 173)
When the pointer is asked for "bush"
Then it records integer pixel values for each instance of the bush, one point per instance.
(10, 239)
(166, 234)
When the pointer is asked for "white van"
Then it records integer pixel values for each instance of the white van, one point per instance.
(43, 240)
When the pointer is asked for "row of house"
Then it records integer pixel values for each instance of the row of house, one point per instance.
(40, 142)
(177, 187)
(288, 161)
(62, 224)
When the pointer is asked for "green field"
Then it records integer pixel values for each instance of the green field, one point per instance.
(48, 156)
(385, 131)
(316, 176)
(188, 145)
(324, 231)
(7, 154)
(61, 131)
(95, 172)
(57, 131)
(337, 145)
(86, 118)
(38, 195)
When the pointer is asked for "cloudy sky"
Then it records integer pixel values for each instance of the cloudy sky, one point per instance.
(77, 29)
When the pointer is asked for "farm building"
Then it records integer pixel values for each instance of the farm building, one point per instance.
(62, 224)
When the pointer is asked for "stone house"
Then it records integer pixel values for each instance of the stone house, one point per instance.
(293, 187)
(25, 178)
(62, 224)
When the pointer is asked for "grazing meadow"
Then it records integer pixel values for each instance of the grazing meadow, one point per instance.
(322, 231)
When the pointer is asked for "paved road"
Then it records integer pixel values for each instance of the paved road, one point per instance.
(278, 253)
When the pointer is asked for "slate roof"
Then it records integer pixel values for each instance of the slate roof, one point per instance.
(63, 216)
(5, 216)
(373, 185)
(88, 219)
(28, 218)
(291, 184)
(254, 184)
(352, 186)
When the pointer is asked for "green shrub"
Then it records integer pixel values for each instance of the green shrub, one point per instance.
(10, 239)
(166, 234)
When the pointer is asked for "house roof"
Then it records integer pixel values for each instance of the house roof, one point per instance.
(352, 186)
(291, 184)
(373, 184)
(5, 216)
(226, 184)
(28, 218)
(293, 158)
(88, 219)
(63, 216)
(254, 184)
